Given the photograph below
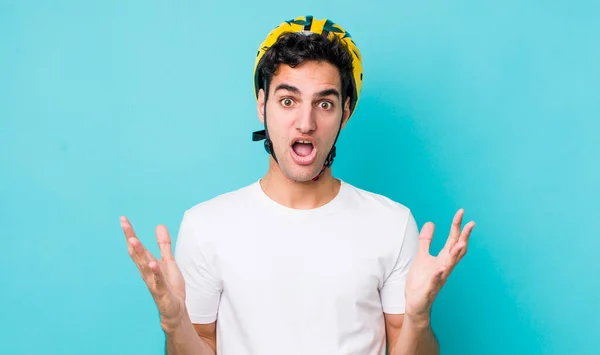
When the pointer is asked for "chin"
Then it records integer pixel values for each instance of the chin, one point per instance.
(301, 173)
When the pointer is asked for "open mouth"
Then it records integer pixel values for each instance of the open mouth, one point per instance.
(303, 151)
(303, 148)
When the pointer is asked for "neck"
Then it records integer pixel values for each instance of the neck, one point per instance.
(299, 195)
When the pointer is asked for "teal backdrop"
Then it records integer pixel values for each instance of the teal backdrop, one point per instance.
(145, 108)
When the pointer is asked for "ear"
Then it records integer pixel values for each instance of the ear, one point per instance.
(260, 106)
(346, 112)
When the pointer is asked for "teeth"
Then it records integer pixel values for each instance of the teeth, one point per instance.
(305, 142)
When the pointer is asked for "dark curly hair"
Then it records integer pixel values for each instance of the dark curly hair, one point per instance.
(294, 49)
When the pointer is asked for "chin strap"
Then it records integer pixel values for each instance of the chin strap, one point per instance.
(328, 161)
(264, 134)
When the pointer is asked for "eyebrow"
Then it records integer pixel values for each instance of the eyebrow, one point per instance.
(328, 92)
(287, 87)
(296, 91)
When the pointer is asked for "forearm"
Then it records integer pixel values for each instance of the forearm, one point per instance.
(416, 338)
(183, 340)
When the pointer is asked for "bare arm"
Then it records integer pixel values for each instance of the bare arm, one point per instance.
(196, 339)
(167, 287)
(411, 333)
(410, 337)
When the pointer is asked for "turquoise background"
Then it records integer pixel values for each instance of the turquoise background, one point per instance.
(112, 107)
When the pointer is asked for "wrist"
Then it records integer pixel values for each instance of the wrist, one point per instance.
(174, 324)
(418, 320)
(171, 326)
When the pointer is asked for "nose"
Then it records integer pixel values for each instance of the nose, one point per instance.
(305, 121)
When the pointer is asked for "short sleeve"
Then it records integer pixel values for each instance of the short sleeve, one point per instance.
(393, 299)
(202, 283)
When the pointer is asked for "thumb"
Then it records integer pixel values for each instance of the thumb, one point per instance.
(425, 238)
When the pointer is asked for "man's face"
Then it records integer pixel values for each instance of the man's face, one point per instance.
(304, 110)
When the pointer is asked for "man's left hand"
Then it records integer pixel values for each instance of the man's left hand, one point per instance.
(429, 273)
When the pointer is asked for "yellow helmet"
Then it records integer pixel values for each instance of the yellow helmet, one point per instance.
(323, 27)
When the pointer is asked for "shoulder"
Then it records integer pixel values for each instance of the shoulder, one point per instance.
(221, 211)
(375, 202)
(380, 212)
(389, 224)
(225, 202)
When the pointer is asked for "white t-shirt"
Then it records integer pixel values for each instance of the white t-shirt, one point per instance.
(296, 282)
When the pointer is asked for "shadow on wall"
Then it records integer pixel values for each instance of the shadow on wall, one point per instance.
(384, 149)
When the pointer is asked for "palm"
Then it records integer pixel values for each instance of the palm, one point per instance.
(174, 277)
(428, 273)
(171, 299)
(162, 276)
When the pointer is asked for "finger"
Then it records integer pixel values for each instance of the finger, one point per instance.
(466, 233)
(461, 245)
(164, 242)
(133, 242)
(454, 229)
(425, 238)
(143, 260)
(451, 258)
(128, 230)
(150, 269)
(141, 257)
(160, 284)
(458, 249)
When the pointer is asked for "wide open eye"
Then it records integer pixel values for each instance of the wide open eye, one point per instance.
(286, 102)
(325, 105)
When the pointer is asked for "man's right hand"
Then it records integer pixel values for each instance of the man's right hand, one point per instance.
(162, 276)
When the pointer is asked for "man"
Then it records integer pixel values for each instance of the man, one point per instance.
(300, 262)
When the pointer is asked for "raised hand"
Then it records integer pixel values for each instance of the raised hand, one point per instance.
(162, 276)
(428, 274)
